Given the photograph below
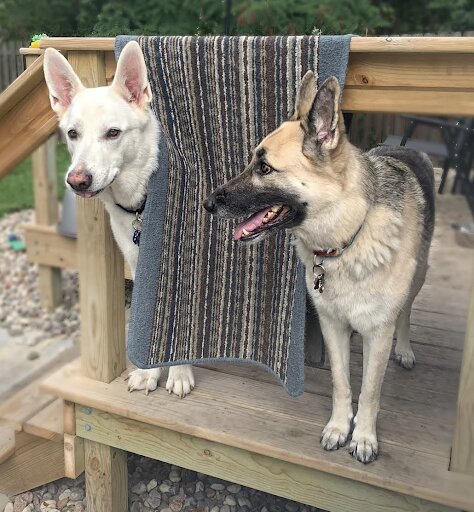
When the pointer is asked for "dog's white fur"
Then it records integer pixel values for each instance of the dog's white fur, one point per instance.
(121, 166)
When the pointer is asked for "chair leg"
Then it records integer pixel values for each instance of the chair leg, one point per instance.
(444, 176)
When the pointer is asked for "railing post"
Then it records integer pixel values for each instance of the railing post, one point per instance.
(462, 455)
(46, 211)
(102, 299)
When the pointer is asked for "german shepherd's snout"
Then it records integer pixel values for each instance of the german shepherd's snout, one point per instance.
(363, 221)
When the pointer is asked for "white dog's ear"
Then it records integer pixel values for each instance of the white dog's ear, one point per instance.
(305, 96)
(62, 81)
(131, 80)
(321, 123)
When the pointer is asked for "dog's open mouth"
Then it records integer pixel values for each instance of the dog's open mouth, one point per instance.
(268, 218)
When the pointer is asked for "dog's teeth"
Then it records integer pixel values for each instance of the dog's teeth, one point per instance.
(276, 208)
(245, 232)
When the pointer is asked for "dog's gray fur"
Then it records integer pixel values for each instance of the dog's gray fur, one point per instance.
(333, 190)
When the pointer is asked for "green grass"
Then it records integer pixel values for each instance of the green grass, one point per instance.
(16, 189)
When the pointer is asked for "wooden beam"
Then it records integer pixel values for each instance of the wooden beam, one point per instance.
(69, 417)
(47, 423)
(46, 211)
(26, 118)
(36, 462)
(102, 301)
(74, 456)
(358, 44)
(305, 485)
(7, 443)
(106, 478)
(45, 246)
(462, 457)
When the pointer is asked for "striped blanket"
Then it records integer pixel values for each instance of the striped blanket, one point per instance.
(198, 295)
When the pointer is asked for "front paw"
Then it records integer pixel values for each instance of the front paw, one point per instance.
(143, 379)
(180, 380)
(336, 433)
(405, 358)
(364, 446)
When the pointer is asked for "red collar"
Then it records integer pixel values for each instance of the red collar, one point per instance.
(334, 253)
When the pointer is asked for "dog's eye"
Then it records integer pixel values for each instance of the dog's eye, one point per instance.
(72, 134)
(113, 133)
(265, 168)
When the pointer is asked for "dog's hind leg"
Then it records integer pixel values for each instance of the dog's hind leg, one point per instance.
(337, 341)
(403, 352)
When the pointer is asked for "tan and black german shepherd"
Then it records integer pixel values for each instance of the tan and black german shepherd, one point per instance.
(362, 224)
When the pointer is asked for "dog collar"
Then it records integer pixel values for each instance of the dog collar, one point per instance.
(138, 210)
(137, 221)
(319, 270)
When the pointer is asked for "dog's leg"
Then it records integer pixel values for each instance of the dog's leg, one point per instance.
(180, 380)
(337, 340)
(144, 379)
(377, 344)
(403, 352)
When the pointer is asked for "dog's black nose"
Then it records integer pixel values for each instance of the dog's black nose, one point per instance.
(79, 179)
(210, 203)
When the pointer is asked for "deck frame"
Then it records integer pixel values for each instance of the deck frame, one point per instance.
(374, 84)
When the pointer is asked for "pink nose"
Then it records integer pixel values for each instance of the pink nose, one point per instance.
(79, 179)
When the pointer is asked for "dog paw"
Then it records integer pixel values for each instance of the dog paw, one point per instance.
(143, 379)
(405, 358)
(364, 447)
(334, 436)
(180, 380)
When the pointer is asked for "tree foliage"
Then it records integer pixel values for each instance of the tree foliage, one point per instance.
(22, 18)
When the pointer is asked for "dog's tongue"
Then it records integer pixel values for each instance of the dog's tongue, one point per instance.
(251, 224)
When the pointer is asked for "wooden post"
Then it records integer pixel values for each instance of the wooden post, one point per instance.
(46, 210)
(102, 299)
(462, 456)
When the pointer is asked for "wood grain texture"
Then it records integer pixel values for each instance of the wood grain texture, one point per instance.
(262, 419)
(313, 487)
(74, 456)
(106, 478)
(46, 213)
(47, 423)
(7, 443)
(69, 417)
(358, 44)
(462, 458)
(36, 462)
(45, 246)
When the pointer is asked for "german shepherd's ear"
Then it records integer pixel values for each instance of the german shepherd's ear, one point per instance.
(131, 80)
(305, 96)
(63, 83)
(321, 123)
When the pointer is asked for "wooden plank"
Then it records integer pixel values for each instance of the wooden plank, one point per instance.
(23, 405)
(47, 423)
(106, 477)
(69, 417)
(462, 458)
(410, 70)
(358, 44)
(46, 213)
(74, 463)
(288, 436)
(7, 443)
(332, 491)
(36, 462)
(427, 101)
(45, 246)
(25, 126)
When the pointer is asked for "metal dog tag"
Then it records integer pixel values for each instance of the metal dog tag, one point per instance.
(318, 272)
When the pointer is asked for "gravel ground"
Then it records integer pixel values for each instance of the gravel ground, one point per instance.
(156, 486)
(153, 485)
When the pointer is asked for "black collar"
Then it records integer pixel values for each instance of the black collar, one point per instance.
(135, 211)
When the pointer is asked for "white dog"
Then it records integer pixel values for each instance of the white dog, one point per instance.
(112, 137)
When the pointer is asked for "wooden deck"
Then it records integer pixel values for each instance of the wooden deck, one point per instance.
(239, 423)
